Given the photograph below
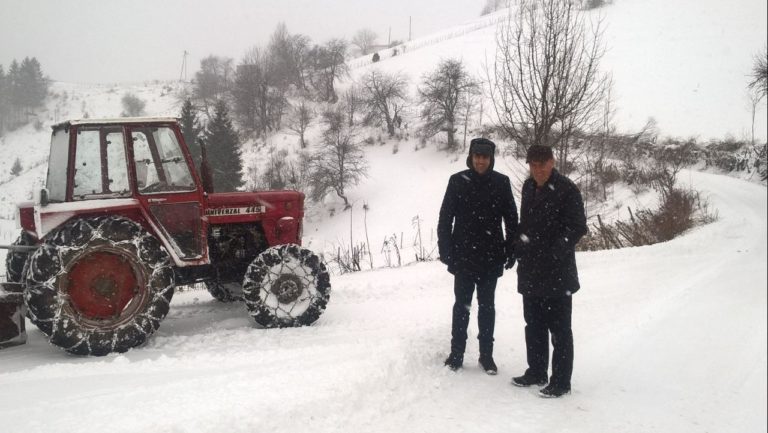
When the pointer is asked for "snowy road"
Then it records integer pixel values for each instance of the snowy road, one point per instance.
(669, 338)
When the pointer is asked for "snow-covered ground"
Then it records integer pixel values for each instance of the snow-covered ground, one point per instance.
(669, 338)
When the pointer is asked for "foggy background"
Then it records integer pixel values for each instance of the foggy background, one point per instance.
(97, 41)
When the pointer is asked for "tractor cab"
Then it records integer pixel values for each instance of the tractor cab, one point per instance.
(130, 165)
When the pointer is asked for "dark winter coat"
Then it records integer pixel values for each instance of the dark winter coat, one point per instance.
(469, 231)
(552, 221)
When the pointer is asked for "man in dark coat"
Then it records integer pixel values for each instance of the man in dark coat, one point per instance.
(552, 221)
(473, 245)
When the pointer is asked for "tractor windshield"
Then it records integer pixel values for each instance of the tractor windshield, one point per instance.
(100, 164)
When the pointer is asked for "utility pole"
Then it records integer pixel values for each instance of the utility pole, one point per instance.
(183, 73)
(410, 22)
(389, 36)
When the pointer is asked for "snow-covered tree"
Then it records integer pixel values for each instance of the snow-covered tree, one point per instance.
(340, 162)
(546, 81)
(364, 40)
(385, 96)
(301, 116)
(444, 95)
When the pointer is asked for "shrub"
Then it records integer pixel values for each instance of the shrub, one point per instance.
(679, 211)
(133, 106)
(594, 4)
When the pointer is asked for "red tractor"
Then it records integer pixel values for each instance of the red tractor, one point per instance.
(124, 218)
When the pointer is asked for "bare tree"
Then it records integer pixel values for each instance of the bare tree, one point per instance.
(301, 116)
(385, 96)
(364, 40)
(353, 103)
(545, 81)
(327, 63)
(288, 57)
(443, 96)
(212, 81)
(492, 6)
(340, 162)
(759, 83)
(468, 108)
(299, 52)
(259, 92)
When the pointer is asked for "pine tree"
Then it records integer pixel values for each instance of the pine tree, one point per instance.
(16, 169)
(33, 83)
(14, 91)
(223, 150)
(191, 129)
(4, 108)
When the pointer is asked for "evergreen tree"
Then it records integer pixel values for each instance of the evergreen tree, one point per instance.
(4, 108)
(14, 91)
(223, 150)
(34, 85)
(191, 129)
(16, 169)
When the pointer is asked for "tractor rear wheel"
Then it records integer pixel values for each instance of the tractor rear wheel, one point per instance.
(286, 286)
(99, 285)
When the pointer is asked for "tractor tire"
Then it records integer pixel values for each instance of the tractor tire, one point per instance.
(224, 292)
(99, 285)
(286, 286)
(15, 260)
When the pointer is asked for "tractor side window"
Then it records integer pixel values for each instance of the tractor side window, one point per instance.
(160, 162)
(118, 171)
(57, 166)
(100, 169)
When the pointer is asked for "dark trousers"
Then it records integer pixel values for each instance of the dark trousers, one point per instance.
(463, 288)
(545, 315)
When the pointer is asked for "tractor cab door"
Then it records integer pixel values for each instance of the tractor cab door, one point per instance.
(167, 189)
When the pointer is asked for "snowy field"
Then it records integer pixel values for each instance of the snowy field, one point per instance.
(669, 338)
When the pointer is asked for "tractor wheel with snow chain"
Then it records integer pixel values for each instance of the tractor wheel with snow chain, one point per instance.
(99, 285)
(15, 260)
(286, 286)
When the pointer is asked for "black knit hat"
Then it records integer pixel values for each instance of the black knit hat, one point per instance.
(539, 153)
(481, 146)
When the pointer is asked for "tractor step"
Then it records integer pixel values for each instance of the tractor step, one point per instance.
(12, 332)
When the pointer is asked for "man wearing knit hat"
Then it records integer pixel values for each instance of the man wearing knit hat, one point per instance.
(473, 244)
(552, 221)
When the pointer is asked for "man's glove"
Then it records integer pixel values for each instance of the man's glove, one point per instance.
(510, 262)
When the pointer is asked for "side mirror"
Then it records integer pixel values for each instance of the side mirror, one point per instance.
(43, 197)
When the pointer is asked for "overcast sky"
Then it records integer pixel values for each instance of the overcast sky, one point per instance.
(105, 41)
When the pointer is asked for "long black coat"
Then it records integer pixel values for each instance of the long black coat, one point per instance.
(469, 231)
(552, 221)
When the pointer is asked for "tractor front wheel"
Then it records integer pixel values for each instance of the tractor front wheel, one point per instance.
(99, 285)
(286, 286)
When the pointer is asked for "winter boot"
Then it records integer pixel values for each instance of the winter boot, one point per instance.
(553, 391)
(454, 361)
(486, 362)
(525, 381)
